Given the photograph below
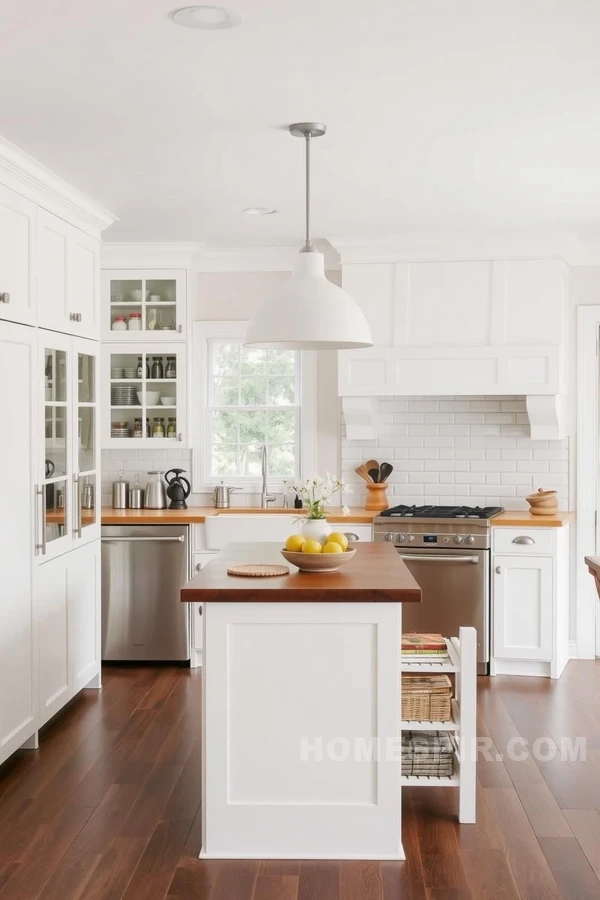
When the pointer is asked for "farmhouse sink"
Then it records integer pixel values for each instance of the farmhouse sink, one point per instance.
(228, 527)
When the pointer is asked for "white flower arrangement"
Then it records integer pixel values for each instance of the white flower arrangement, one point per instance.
(316, 493)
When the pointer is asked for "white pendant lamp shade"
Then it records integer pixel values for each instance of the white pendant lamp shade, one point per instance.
(310, 312)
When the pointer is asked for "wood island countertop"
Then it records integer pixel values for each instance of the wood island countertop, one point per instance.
(376, 574)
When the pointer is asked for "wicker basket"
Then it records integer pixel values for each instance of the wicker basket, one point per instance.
(426, 697)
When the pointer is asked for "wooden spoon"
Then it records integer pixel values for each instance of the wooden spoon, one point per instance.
(369, 466)
(362, 471)
(385, 470)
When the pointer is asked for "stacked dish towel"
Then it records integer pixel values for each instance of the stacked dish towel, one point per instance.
(427, 753)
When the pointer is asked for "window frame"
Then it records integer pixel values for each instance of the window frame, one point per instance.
(203, 333)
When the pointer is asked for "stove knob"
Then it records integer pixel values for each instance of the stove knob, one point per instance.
(389, 537)
(457, 539)
(400, 537)
(469, 539)
(411, 538)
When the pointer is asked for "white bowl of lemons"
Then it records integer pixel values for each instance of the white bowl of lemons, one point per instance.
(312, 556)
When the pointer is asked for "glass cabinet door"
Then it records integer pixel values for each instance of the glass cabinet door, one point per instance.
(56, 462)
(151, 303)
(86, 448)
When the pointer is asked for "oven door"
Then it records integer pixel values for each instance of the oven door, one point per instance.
(455, 592)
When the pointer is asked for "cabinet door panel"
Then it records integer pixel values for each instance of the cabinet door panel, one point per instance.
(53, 300)
(18, 709)
(84, 593)
(17, 230)
(523, 607)
(83, 289)
(53, 624)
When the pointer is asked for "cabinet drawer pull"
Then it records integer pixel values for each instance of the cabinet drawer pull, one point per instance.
(498, 570)
(5, 297)
(523, 539)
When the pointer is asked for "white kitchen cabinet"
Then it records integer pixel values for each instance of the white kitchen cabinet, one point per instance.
(156, 398)
(68, 278)
(68, 453)
(17, 254)
(154, 299)
(18, 649)
(67, 600)
(530, 601)
(197, 611)
(452, 327)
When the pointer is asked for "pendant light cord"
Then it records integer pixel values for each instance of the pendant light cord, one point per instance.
(308, 247)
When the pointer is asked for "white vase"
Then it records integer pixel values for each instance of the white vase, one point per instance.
(316, 530)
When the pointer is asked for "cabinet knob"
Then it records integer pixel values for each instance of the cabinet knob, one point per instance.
(498, 570)
(199, 610)
(180, 328)
(71, 317)
(5, 297)
(180, 436)
(78, 317)
(199, 566)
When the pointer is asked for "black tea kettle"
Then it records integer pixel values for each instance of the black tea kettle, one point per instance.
(178, 489)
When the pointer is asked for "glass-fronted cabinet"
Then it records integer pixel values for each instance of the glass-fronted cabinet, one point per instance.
(69, 455)
(147, 305)
(144, 391)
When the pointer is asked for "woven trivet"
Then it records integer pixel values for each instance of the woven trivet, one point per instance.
(257, 570)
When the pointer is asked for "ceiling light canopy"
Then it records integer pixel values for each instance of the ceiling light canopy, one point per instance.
(208, 18)
(310, 312)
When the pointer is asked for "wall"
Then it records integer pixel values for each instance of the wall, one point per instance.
(464, 450)
(234, 296)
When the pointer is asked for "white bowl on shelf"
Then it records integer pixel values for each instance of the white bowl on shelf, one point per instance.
(152, 397)
(137, 295)
(167, 401)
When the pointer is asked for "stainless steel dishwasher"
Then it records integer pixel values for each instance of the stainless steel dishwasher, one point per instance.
(143, 569)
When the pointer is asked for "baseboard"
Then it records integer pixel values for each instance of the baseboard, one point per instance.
(573, 650)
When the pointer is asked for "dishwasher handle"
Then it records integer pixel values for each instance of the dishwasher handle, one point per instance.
(134, 540)
(430, 558)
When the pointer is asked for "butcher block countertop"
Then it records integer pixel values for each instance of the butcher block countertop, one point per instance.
(197, 514)
(376, 574)
(522, 518)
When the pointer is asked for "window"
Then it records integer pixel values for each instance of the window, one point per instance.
(251, 397)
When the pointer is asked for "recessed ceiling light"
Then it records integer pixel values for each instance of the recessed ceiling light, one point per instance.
(259, 211)
(209, 18)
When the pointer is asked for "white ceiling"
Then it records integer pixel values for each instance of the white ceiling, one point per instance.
(442, 114)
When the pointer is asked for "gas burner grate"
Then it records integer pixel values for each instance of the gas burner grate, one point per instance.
(442, 512)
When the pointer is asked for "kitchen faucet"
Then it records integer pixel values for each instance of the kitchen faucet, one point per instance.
(265, 497)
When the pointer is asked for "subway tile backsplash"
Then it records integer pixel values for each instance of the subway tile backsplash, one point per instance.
(468, 450)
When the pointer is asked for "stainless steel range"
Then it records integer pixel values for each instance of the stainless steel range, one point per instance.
(447, 549)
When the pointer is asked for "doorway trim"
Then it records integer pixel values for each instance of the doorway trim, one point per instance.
(588, 461)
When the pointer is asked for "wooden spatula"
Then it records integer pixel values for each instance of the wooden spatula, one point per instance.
(362, 471)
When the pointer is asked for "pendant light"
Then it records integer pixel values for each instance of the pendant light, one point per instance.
(310, 312)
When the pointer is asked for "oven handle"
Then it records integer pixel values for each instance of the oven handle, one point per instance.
(431, 558)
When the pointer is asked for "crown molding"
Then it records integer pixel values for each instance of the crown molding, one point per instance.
(149, 254)
(440, 246)
(26, 175)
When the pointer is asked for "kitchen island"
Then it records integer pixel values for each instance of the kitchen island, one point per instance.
(301, 706)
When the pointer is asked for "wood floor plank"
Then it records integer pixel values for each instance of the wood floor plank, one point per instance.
(572, 871)
(585, 825)
(235, 880)
(276, 887)
(115, 866)
(360, 881)
(156, 867)
(319, 880)
(489, 875)
(544, 813)
(396, 881)
(194, 879)
(147, 810)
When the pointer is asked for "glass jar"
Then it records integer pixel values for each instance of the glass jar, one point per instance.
(119, 323)
(172, 427)
(157, 367)
(158, 427)
(171, 367)
(135, 321)
(138, 428)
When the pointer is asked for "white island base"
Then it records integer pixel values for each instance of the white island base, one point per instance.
(283, 681)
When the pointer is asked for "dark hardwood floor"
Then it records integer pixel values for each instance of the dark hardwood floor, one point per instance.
(109, 808)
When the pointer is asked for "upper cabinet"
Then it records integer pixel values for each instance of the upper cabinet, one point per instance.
(459, 327)
(144, 304)
(68, 278)
(17, 236)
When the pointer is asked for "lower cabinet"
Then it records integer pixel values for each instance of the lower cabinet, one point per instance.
(67, 609)
(530, 602)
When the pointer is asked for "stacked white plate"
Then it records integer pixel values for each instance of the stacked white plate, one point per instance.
(123, 395)
(120, 430)
(130, 373)
(116, 373)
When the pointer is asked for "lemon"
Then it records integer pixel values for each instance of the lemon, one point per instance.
(338, 538)
(311, 547)
(294, 543)
(332, 547)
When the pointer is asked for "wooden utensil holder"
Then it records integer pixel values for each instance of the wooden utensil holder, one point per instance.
(376, 496)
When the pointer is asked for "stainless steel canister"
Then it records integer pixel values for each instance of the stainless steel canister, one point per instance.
(136, 497)
(120, 493)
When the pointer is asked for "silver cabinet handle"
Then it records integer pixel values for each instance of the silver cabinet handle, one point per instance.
(78, 317)
(498, 570)
(199, 566)
(136, 540)
(180, 328)
(5, 297)
(180, 436)
(71, 317)
(77, 531)
(451, 559)
(40, 490)
(200, 610)
(523, 539)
